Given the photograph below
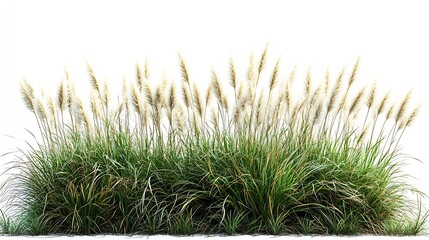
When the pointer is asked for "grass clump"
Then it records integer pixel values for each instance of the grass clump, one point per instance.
(173, 158)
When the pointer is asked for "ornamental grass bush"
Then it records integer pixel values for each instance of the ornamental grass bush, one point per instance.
(252, 155)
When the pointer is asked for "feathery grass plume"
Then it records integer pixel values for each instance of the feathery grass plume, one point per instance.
(171, 104)
(383, 104)
(217, 87)
(349, 85)
(412, 116)
(391, 111)
(27, 95)
(180, 117)
(96, 110)
(77, 114)
(335, 92)
(318, 113)
(139, 78)
(233, 78)
(106, 95)
(208, 95)
(355, 105)
(363, 134)
(225, 103)
(95, 104)
(149, 96)
(240, 107)
(52, 109)
(260, 112)
(250, 74)
(371, 97)
(357, 100)
(370, 100)
(172, 97)
(288, 86)
(93, 79)
(158, 103)
(354, 72)
(126, 99)
(198, 102)
(275, 75)
(146, 70)
(240, 91)
(71, 94)
(315, 97)
(184, 69)
(403, 106)
(62, 95)
(84, 115)
(186, 96)
(159, 96)
(308, 83)
(140, 107)
(41, 109)
(135, 100)
(327, 82)
(43, 115)
(214, 113)
(262, 61)
(232, 74)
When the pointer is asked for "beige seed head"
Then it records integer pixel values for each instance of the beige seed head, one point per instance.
(62, 95)
(52, 107)
(139, 78)
(315, 96)
(27, 95)
(354, 107)
(106, 93)
(208, 95)
(159, 96)
(83, 114)
(217, 87)
(180, 117)
(146, 70)
(274, 76)
(135, 100)
(232, 74)
(186, 96)
(336, 91)
(403, 106)
(198, 101)
(125, 96)
(390, 112)
(263, 60)
(250, 69)
(412, 116)
(327, 81)
(184, 69)
(93, 78)
(148, 93)
(71, 94)
(41, 108)
(354, 72)
(172, 97)
(371, 97)
(95, 104)
(308, 82)
(225, 102)
(318, 113)
(383, 103)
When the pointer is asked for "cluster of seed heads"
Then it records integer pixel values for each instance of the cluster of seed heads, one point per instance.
(328, 109)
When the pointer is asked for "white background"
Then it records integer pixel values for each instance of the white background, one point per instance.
(40, 39)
